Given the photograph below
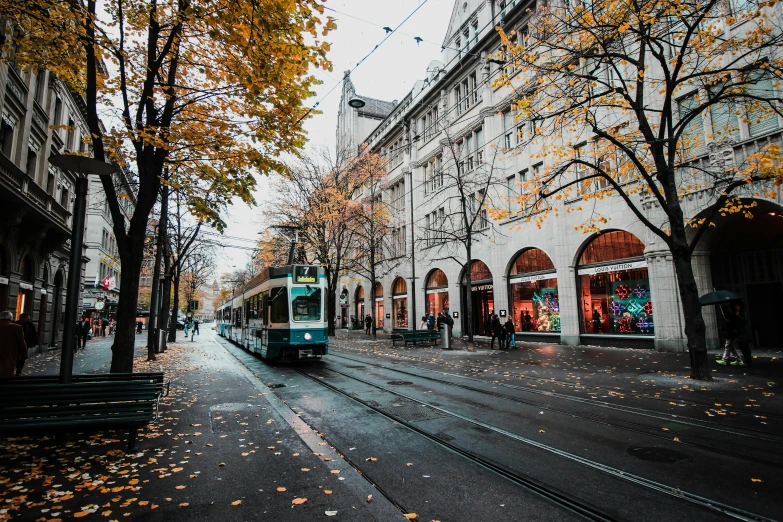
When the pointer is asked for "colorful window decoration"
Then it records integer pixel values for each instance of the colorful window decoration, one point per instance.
(547, 307)
(630, 308)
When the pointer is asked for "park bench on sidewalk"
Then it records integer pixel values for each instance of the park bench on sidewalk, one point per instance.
(31, 405)
(157, 378)
(419, 336)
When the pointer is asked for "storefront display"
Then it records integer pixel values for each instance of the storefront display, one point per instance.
(360, 305)
(436, 293)
(615, 293)
(400, 298)
(535, 303)
(379, 305)
(482, 297)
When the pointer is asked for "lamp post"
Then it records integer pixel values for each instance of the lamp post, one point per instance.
(81, 167)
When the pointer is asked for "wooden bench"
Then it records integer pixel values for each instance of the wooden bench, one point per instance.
(163, 385)
(33, 407)
(418, 336)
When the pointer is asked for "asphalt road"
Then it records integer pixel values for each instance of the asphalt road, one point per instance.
(538, 436)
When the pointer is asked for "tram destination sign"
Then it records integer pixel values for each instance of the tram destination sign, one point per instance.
(305, 274)
(617, 267)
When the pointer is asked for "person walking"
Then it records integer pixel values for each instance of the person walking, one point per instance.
(497, 332)
(104, 326)
(195, 327)
(13, 348)
(30, 338)
(431, 322)
(423, 323)
(732, 328)
(508, 330)
(82, 332)
(367, 324)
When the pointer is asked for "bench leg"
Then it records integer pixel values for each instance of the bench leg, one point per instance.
(132, 438)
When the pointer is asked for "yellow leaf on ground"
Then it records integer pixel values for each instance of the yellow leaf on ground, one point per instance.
(756, 480)
(176, 470)
(236, 502)
(281, 489)
(327, 492)
(143, 502)
(184, 504)
(298, 501)
(245, 454)
(180, 487)
(411, 516)
(335, 471)
(81, 514)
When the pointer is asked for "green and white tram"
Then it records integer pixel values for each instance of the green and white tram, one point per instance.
(280, 314)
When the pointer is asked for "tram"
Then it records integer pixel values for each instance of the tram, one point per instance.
(279, 314)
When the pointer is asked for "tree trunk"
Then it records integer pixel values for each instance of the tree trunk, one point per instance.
(174, 311)
(695, 330)
(125, 339)
(469, 295)
(154, 322)
(165, 300)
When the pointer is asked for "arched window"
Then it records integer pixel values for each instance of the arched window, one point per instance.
(482, 298)
(615, 286)
(437, 279)
(479, 271)
(399, 287)
(533, 293)
(436, 293)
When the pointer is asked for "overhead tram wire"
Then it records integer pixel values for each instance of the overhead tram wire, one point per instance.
(388, 35)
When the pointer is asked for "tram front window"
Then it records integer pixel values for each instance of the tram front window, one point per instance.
(306, 303)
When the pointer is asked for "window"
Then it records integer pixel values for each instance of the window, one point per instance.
(763, 119)
(32, 162)
(474, 87)
(480, 147)
(278, 305)
(305, 303)
(692, 138)
(64, 197)
(465, 92)
(466, 38)
(474, 31)
(458, 45)
(6, 138)
(511, 192)
(39, 87)
(58, 111)
(508, 126)
(441, 223)
(469, 152)
(427, 230)
(50, 183)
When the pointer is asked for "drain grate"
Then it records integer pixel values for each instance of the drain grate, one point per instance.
(275, 385)
(399, 383)
(659, 455)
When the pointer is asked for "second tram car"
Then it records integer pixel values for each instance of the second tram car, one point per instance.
(279, 314)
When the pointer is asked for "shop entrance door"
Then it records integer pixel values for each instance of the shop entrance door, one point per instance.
(483, 304)
(765, 324)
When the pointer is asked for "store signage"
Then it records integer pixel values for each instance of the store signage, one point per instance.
(388, 316)
(455, 315)
(617, 267)
(305, 274)
(403, 296)
(478, 288)
(437, 290)
(25, 286)
(3, 280)
(531, 278)
(379, 298)
(502, 313)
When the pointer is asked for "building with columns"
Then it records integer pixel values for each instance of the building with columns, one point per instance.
(556, 283)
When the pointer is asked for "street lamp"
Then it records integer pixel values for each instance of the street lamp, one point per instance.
(81, 167)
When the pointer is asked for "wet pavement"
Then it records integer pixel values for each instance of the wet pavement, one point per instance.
(376, 432)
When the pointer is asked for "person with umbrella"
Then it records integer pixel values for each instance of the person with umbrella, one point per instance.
(732, 328)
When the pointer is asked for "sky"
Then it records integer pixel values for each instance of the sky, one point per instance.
(388, 74)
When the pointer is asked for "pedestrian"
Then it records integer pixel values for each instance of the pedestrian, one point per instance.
(497, 332)
(82, 332)
(527, 321)
(508, 329)
(423, 323)
(732, 327)
(431, 322)
(596, 321)
(439, 322)
(195, 327)
(138, 327)
(13, 348)
(112, 326)
(367, 324)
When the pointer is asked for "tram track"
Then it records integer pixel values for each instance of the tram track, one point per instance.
(568, 384)
(706, 443)
(546, 491)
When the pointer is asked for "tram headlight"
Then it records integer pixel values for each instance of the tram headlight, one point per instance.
(307, 336)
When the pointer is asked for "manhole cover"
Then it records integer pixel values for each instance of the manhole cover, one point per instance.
(275, 385)
(399, 383)
(660, 455)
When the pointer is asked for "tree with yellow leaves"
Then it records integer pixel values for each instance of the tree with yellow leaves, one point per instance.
(641, 104)
(218, 85)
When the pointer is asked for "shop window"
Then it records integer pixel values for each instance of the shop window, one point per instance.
(533, 293)
(400, 302)
(615, 287)
(437, 293)
(378, 305)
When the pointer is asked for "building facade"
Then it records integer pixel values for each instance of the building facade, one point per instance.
(37, 198)
(556, 283)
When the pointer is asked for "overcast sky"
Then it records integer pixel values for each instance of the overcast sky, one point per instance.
(388, 74)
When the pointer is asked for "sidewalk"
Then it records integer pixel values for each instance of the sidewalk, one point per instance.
(225, 448)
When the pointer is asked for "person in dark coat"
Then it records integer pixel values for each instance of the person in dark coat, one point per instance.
(30, 338)
(497, 332)
(13, 348)
(431, 322)
(82, 332)
(104, 325)
(508, 330)
(367, 324)
(732, 328)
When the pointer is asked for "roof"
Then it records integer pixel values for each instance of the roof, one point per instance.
(376, 108)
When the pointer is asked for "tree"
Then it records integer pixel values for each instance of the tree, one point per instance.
(313, 199)
(223, 80)
(198, 271)
(469, 177)
(370, 217)
(637, 82)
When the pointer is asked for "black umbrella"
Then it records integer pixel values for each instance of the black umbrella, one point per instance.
(718, 297)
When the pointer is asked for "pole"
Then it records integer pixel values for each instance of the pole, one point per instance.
(74, 280)
(413, 315)
(152, 332)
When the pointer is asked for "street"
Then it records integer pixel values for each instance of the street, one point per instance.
(373, 432)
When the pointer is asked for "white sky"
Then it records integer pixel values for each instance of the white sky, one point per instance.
(389, 74)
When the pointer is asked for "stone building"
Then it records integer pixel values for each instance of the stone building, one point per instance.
(36, 198)
(556, 283)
